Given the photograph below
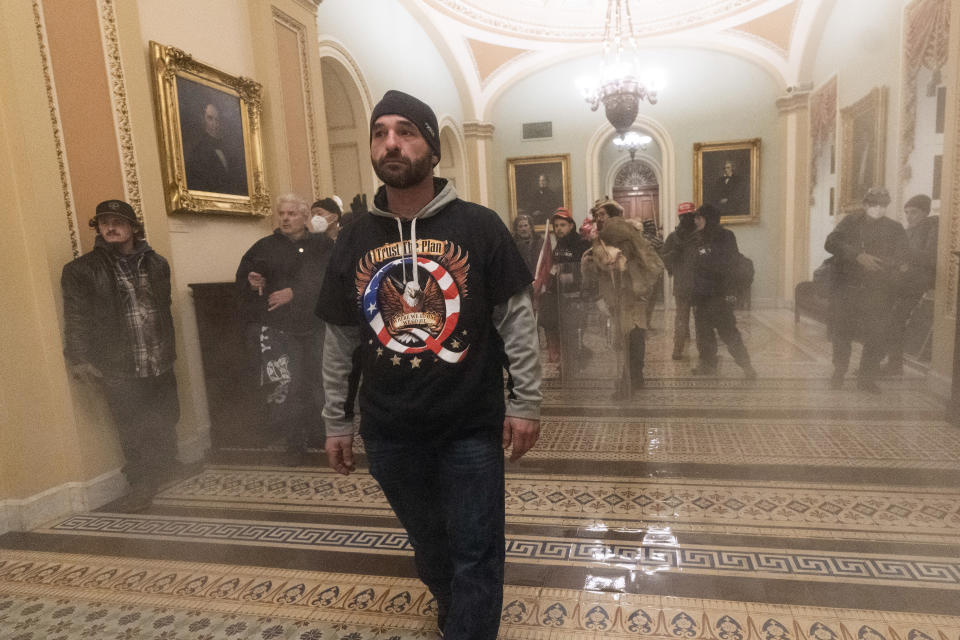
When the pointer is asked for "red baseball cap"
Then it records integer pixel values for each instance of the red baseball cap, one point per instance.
(686, 207)
(563, 213)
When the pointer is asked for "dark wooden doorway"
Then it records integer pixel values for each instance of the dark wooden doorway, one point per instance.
(637, 190)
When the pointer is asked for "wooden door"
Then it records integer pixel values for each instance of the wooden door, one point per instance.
(638, 192)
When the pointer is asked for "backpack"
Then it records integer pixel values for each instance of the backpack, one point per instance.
(742, 272)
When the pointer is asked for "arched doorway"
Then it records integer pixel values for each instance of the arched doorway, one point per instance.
(347, 131)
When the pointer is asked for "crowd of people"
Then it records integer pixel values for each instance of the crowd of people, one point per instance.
(399, 322)
(878, 274)
(615, 265)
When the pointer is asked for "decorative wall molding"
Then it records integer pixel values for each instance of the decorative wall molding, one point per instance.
(65, 186)
(926, 36)
(57, 502)
(121, 109)
(823, 125)
(477, 129)
(298, 28)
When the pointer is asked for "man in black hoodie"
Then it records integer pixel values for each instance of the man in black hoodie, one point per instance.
(118, 333)
(434, 293)
(713, 293)
(278, 281)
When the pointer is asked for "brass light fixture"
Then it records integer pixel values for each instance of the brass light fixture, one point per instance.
(619, 87)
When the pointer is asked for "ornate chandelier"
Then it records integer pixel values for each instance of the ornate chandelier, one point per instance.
(619, 87)
(632, 142)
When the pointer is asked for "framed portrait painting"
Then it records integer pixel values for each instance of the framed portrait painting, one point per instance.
(863, 128)
(209, 127)
(727, 175)
(537, 185)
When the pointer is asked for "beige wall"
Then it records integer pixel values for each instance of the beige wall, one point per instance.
(37, 425)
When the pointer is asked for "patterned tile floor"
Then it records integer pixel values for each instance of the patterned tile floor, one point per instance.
(861, 512)
(47, 595)
(719, 508)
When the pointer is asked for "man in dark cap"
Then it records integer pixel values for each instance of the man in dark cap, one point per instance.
(329, 210)
(917, 276)
(870, 250)
(435, 295)
(118, 333)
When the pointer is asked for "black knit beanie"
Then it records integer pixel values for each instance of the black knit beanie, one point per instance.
(919, 201)
(327, 204)
(416, 111)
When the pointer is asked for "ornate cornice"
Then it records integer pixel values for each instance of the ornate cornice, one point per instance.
(477, 129)
(66, 188)
(793, 102)
(121, 109)
(301, 32)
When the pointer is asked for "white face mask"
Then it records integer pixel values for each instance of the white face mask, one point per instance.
(318, 224)
(875, 212)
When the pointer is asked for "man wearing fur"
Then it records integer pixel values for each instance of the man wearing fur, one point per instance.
(626, 268)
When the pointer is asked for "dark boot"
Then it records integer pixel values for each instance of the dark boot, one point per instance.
(679, 348)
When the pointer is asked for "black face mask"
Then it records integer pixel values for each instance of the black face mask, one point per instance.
(686, 224)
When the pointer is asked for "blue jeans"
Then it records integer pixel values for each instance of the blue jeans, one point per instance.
(449, 496)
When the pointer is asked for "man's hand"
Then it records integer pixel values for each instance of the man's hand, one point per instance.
(869, 262)
(520, 432)
(85, 372)
(257, 282)
(340, 454)
(279, 298)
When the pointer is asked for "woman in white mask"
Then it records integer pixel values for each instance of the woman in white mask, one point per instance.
(868, 251)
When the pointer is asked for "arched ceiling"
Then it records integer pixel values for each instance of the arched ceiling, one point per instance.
(492, 44)
(572, 20)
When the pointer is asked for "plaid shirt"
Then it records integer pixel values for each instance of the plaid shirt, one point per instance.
(140, 311)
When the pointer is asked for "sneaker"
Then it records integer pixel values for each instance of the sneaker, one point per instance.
(703, 370)
(749, 373)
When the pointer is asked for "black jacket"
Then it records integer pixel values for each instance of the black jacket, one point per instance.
(883, 238)
(95, 329)
(679, 255)
(716, 256)
(300, 265)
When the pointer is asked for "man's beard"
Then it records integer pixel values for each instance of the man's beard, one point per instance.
(413, 172)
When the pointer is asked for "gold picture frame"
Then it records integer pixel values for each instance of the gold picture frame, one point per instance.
(727, 175)
(529, 196)
(208, 122)
(863, 135)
